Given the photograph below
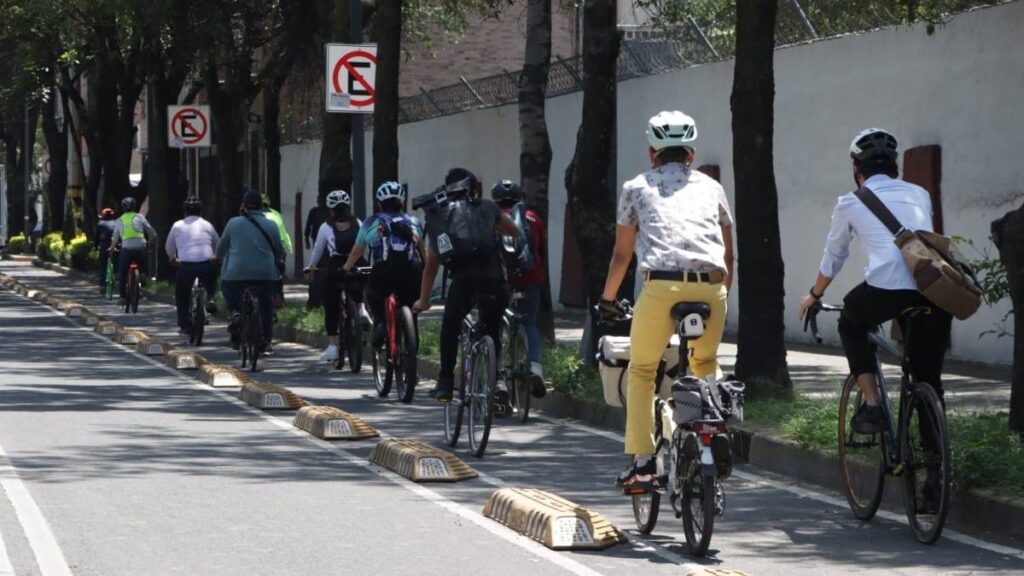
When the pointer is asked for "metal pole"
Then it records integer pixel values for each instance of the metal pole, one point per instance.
(472, 90)
(358, 134)
(27, 157)
(804, 21)
(703, 37)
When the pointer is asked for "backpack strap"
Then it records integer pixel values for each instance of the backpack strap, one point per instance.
(263, 232)
(874, 204)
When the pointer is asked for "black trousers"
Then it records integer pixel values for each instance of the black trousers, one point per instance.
(403, 280)
(866, 307)
(186, 275)
(332, 300)
(491, 298)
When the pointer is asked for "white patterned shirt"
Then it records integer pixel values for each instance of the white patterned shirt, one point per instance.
(679, 213)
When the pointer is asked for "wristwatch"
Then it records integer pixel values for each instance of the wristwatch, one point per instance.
(813, 295)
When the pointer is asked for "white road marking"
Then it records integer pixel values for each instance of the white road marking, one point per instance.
(44, 546)
(813, 495)
(5, 561)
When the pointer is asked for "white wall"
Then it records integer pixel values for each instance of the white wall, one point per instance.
(960, 88)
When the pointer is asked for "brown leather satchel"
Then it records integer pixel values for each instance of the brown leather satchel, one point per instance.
(938, 268)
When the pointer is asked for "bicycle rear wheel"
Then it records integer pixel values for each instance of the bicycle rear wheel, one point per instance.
(453, 409)
(379, 364)
(198, 315)
(926, 468)
(481, 395)
(518, 368)
(405, 374)
(108, 280)
(136, 291)
(861, 457)
(699, 495)
(354, 338)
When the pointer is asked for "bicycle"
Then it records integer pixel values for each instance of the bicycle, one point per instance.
(109, 282)
(478, 379)
(251, 329)
(351, 329)
(686, 428)
(197, 312)
(922, 459)
(132, 289)
(516, 365)
(395, 363)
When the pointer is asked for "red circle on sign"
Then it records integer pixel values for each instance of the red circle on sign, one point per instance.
(344, 63)
(179, 120)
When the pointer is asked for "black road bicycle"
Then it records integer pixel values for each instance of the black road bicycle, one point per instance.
(351, 327)
(478, 379)
(197, 312)
(516, 361)
(914, 448)
(251, 328)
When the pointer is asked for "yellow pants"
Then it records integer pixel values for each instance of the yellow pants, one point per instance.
(652, 327)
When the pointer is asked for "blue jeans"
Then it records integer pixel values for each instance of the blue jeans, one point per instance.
(232, 291)
(104, 257)
(140, 257)
(529, 307)
(186, 275)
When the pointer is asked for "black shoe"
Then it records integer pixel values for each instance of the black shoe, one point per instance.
(234, 329)
(537, 388)
(928, 501)
(443, 391)
(721, 452)
(868, 420)
(639, 477)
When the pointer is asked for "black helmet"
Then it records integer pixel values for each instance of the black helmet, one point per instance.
(252, 199)
(506, 191)
(192, 205)
(873, 144)
(129, 204)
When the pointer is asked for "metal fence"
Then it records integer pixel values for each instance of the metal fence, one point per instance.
(703, 37)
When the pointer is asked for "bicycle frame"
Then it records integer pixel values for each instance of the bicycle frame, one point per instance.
(892, 436)
(391, 313)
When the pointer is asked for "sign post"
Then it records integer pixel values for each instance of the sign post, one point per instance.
(351, 89)
(189, 127)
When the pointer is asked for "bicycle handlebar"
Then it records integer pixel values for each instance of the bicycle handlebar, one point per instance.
(811, 319)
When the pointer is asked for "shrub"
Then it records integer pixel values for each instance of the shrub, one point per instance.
(50, 247)
(77, 254)
(17, 244)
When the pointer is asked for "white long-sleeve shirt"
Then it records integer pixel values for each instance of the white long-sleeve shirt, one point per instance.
(325, 242)
(192, 239)
(886, 269)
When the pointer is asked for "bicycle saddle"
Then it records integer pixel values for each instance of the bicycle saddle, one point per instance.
(684, 309)
(914, 311)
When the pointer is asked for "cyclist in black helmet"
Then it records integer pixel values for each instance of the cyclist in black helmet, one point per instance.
(192, 244)
(133, 232)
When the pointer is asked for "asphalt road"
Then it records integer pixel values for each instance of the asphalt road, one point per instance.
(113, 464)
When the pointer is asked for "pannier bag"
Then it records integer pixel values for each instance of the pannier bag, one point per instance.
(938, 268)
(695, 399)
(613, 361)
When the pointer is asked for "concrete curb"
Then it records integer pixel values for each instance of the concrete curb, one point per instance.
(971, 511)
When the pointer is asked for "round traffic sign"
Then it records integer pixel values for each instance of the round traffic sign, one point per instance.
(189, 125)
(361, 90)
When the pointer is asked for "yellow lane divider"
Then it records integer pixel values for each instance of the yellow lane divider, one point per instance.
(184, 359)
(129, 337)
(221, 376)
(331, 423)
(267, 396)
(420, 462)
(109, 328)
(551, 520)
(150, 346)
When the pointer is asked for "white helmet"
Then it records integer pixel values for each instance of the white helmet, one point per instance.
(390, 189)
(671, 130)
(873, 143)
(338, 197)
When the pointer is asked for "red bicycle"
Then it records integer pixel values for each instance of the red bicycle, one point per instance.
(396, 362)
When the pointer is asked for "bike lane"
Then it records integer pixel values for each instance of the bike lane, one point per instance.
(772, 526)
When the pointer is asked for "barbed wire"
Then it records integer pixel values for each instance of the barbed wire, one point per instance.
(702, 39)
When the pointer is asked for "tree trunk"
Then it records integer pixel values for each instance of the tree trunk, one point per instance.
(1008, 236)
(57, 147)
(336, 148)
(228, 105)
(272, 140)
(535, 146)
(591, 194)
(387, 23)
(761, 359)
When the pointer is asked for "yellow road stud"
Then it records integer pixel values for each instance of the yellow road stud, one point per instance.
(269, 397)
(331, 423)
(221, 376)
(150, 346)
(183, 359)
(131, 337)
(108, 328)
(420, 462)
(551, 520)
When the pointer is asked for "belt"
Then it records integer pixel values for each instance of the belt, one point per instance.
(713, 277)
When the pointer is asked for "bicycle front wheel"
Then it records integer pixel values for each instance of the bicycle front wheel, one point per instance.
(518, 368)
(926, 467)
(861, 457)
(354, 339)
(405, 375)
(379, 364)
(453, 409)
(480, 394)
(699, 496)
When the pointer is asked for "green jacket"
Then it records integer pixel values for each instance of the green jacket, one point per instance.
(275, 217)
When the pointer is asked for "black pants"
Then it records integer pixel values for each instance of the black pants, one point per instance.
(332, 300)
(489, 295)
(402, 280)
(183, 279)
(865, 307)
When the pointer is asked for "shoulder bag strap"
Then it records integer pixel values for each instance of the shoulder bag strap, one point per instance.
(865, 195)
(263, 232)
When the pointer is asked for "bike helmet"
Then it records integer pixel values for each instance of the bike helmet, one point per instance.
(671, 130)
(338, 197)
(506, 191)
(390, 189)
(129, 204)
(873, 144)
(192, 203)
(252, 200)
(107, 213)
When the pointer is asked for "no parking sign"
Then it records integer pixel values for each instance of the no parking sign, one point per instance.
(188, 126)
(351, 77)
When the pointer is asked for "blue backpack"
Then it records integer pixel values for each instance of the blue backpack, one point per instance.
(397, 238)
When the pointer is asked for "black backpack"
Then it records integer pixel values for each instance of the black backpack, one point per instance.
(458, 231)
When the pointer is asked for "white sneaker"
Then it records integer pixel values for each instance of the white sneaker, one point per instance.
(536, 380)
(537, 369)
(330, 354)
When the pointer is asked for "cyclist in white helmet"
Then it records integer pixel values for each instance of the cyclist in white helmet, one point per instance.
(336, 238)
(677, 221)
(394, 239)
